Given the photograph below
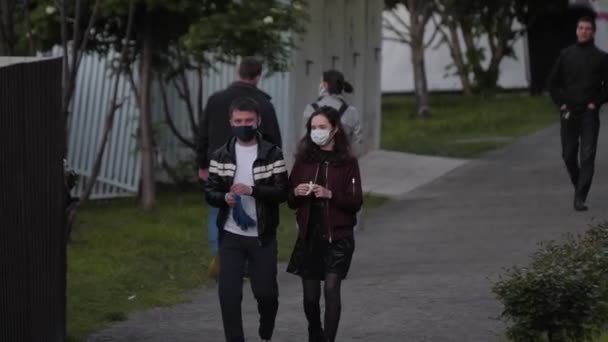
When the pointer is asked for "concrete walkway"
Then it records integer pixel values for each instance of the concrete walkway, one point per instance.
(424, 265)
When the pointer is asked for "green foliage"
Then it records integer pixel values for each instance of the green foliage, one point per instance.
(181, 31)
(563, 294)
(263, 28)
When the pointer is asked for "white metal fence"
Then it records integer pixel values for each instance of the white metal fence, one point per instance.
(120, 173)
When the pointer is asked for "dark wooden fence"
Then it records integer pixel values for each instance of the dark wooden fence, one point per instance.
(32, 241)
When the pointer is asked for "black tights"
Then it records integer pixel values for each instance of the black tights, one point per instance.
(333, 307)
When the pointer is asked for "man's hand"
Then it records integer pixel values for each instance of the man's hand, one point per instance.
(203, 174)
(321, 192)
(563, 107)
(229, 198)
(591, 106)
(241, 189)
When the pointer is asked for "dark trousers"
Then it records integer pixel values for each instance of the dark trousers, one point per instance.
(234, 251)
(580, 130)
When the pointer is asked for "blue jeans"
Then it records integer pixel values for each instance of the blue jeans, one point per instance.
(212, 230)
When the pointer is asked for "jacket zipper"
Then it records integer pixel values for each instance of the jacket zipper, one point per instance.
(256, 203)
(329, 228)
(308, 211)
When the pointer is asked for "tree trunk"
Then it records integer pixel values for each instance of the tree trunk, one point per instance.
(417, 28)
(148, 190)
(485, 79)
(456, 53)
(420, 82)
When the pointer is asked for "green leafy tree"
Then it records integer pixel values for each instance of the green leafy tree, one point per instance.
(499, 23)
(168, 38)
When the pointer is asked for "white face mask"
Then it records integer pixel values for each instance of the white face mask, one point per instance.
(322, 89)
(320, 137)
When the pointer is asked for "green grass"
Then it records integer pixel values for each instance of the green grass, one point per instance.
(122, 259)
(462, 126)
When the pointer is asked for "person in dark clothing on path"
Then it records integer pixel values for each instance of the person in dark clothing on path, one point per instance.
(247, 182)
(578, 84)
(325, 191)
(215, 131)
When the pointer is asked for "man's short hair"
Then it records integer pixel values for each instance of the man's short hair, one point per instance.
(250, 68)
(587, 19)
(245, 104)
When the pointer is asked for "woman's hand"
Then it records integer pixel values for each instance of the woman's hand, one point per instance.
(321, 192)
(303, 189)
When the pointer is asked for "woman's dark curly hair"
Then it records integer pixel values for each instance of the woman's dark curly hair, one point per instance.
(309, 151)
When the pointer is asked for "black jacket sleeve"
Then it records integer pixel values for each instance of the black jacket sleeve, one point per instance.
(202, 143)
(603, 95)
(215, 189)
(277, 192)
(554, 82)
(293, 201)
(349, 197)
(270, 126)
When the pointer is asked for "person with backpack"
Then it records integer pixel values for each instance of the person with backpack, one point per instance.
(331, 91)
(325, 191)
(247, 182)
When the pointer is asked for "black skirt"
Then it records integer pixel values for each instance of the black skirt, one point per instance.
(315, 257)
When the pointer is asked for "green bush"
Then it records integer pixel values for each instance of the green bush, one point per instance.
(563, 294)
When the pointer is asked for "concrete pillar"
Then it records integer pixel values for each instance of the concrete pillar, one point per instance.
(373, 100)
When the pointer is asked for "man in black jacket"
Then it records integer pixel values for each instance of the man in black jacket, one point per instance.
(578, 85)
(247, 182)
(214, 127)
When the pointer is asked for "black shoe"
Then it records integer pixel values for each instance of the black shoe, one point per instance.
(316, 335)
(579, 205)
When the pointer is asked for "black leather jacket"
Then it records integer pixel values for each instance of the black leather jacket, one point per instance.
(270, 188)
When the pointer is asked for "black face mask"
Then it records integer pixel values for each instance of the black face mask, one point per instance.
(244, 133)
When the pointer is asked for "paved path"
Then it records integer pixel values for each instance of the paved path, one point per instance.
(424, 265)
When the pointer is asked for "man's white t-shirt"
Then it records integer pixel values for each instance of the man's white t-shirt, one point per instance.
(245, 157)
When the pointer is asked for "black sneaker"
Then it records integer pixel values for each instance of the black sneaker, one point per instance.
(579, 205)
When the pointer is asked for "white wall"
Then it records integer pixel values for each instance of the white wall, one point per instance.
(601, 35)
(397, 73)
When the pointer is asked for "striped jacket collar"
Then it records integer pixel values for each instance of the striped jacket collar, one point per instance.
(264, 148)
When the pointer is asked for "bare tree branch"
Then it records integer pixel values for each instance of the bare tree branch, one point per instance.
(440, 29)
(400, 20)
(131, 78)
(398, 40)
(169, 119)
(403, 36)
(199, 74)
(188, 95)
(65, 59)
(436, 31)
(75, 37)
(87, 32)
(114, 105)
